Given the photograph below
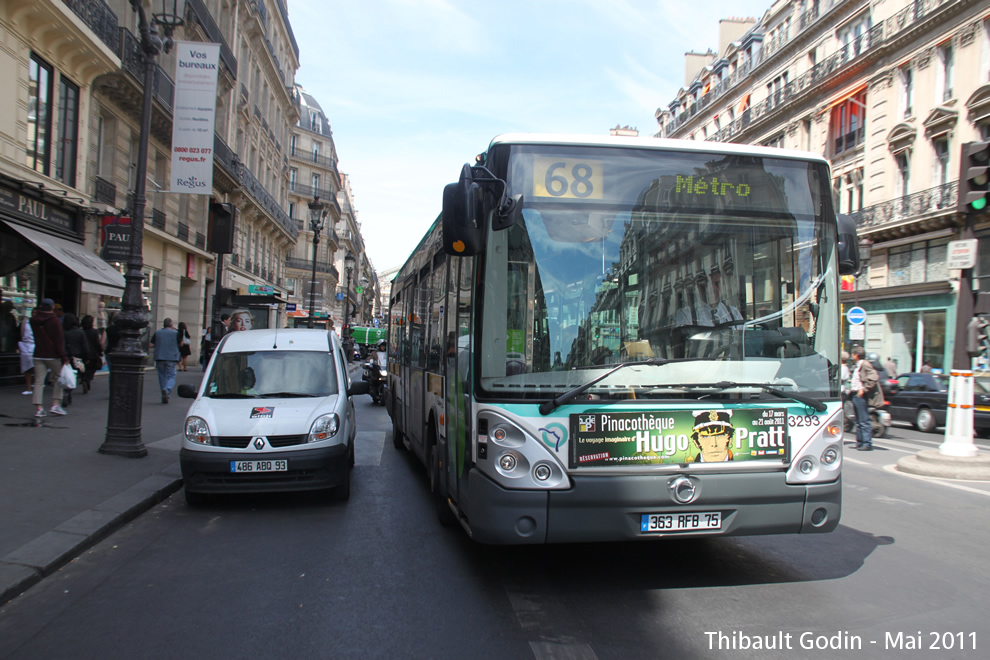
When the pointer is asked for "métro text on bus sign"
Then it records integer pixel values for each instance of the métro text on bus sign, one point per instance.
(856, 315)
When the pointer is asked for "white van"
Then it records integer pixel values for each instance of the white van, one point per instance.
(273, 413)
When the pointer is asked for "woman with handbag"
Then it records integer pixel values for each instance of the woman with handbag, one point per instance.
(77, 348)
(94, 360)
(185, 346)
(49, 353)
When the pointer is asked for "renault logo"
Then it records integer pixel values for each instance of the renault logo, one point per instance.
(683, 489)
(259, 443)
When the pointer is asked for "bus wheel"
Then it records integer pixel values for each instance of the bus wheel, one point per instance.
(397, 436)
(444, 512)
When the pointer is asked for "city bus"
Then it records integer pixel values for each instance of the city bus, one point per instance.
(611, 338)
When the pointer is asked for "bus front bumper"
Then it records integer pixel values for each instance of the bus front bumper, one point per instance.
(606, 508)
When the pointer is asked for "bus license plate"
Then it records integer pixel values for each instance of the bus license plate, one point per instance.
(259, 466)
(656, 523)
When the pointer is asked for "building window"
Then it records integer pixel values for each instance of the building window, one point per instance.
(105, 146)
(39, 117)
(946, 59)
(848, 123)
(777, 141)
(292, 177)
(855, 37)
(316, 183)
(903, 174)
(941, 160)
(292, 145)
(316, 152)
(907, 89)
(68, 132)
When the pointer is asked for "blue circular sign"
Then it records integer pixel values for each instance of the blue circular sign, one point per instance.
(856, 315)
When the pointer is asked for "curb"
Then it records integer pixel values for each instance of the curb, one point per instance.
(26, 566)
(930, 463)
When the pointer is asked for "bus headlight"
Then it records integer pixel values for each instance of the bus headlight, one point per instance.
(830, 455)
(542, 472)
(507, 462)
(807, 466)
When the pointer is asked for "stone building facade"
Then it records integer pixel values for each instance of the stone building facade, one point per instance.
(888, 92)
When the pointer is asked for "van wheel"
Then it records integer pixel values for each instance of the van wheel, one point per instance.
(342, 492)
(444, 513)
(194, 499)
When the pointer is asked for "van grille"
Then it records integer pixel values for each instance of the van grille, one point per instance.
(242, 441)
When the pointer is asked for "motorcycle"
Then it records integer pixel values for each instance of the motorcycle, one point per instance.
(879, 417)
(376, 373)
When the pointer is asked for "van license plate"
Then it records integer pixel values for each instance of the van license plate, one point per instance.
(656, 523)
(259, 466)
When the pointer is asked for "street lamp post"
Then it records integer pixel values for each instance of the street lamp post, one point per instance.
(317, 215)
(123, 436)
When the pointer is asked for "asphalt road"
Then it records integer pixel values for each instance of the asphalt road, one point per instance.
(303, 577)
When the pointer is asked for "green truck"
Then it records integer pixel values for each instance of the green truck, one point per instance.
(366, 338)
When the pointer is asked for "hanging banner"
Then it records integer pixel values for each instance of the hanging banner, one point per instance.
(193, 118)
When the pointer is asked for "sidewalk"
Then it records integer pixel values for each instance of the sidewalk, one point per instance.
(59, 495)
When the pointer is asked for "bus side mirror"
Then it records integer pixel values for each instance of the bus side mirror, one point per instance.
(463, 226)
(849, 263)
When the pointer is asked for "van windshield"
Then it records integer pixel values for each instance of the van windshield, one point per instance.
(267, 373)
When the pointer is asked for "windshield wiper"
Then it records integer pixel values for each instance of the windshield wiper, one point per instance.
(231, 395)
(548, 407)
(287, 395)
(769, 389)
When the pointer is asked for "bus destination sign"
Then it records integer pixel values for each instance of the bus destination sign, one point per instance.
(677, 437)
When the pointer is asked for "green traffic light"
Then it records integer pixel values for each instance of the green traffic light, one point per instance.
(979, 204)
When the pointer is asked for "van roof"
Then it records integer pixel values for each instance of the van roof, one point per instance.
(282, 339)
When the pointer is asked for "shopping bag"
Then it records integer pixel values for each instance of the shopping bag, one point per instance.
(67, 377)
(78, 365)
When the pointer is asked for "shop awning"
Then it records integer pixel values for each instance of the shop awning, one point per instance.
(97, 275)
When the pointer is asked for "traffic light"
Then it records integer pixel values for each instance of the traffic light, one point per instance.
(974, 178)
(978, 337)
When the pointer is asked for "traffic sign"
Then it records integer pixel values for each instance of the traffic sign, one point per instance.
(856, 315)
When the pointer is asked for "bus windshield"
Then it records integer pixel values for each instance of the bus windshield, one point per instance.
(721, 263)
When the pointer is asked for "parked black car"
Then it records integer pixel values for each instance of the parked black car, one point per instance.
(887, 384)
(922, 399)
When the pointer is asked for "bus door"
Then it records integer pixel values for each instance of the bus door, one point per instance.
(457, 367)
(415, 383)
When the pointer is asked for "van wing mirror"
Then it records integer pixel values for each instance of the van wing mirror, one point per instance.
(849, 263)
(463, 226)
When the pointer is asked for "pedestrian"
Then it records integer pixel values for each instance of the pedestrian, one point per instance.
(865, 393)
(185, 345)
(94, 361)
(49, 354)
(8, 327)
(926, 367)
(891, 366)
(77, 348)
(166, 345)
(26, 348)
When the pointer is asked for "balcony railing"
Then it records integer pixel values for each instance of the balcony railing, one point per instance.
(99, 18)
(265, 200)
(940, 199)
(213, 33)
(182, 231)
(132, 59)
(307, 264)
(200, 240)
(105, 192)
(158, 219)
(235, 260)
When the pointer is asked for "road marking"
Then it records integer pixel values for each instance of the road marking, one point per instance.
(368, 447)
(562, 651)
(935, 480)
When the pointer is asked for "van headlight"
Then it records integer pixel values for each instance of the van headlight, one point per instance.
(324, 428)
(197, 431)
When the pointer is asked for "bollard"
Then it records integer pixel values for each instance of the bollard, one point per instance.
(959, 417)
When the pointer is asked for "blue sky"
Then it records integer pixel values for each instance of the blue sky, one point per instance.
(415, 88)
